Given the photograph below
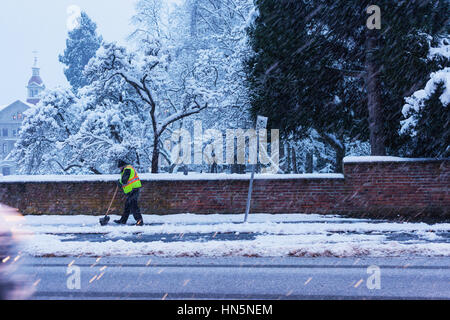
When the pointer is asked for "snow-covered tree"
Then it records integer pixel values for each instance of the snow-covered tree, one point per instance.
(427, 113)
(206, 42)
(146, 75)
(41, 147)
(110, 132)
(81, 45)
(84, 134)
(218, 36)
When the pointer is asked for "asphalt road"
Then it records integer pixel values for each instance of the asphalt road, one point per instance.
(237, 278)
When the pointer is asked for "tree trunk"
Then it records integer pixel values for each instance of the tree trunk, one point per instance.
(288, 159)
(213, 168)
(338, 147)
(340, 154)
(282, 156)
(309, 162)
(294, 161)
(155, 156)
(376, 123)
(194, 17)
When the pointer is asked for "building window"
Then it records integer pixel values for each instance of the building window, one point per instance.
(18, 116)
(5, 132)
(6, 171)
(5, 148)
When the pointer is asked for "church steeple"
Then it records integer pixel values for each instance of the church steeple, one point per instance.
(35, 84)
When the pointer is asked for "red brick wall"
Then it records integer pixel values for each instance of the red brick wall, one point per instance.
(406, 188)
(412, 189)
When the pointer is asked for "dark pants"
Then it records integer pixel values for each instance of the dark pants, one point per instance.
(132, 207)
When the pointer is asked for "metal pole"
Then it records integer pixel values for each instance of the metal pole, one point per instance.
(250, 190)
(261, 123)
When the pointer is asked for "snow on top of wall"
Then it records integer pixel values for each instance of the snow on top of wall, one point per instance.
(166, 177)
(383, 159)
(58, 178)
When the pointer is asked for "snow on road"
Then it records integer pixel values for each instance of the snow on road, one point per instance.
(264, 235)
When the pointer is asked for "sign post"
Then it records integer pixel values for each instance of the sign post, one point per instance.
(261, 123)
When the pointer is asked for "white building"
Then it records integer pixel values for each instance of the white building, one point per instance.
(11, 117)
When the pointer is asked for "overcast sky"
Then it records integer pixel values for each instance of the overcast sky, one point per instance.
(41, 25)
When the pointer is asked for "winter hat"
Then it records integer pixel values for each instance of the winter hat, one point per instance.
(121, 164)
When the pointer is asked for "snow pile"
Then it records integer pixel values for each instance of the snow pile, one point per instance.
(271, 236)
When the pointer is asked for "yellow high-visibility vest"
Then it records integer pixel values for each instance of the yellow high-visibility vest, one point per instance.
(133, 182)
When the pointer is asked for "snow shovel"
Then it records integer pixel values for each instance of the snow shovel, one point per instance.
(104, 221)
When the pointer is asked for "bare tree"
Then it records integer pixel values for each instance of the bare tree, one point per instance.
(147, 76)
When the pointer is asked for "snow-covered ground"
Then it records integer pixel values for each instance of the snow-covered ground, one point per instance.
(264, 235)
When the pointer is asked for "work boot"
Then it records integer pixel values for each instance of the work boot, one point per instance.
(120, 221)
(140, 223)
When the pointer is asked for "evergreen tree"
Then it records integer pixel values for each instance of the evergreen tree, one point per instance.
(81, 45)
(145, 80)
(317, 65)
(428, 118)
(297, 83)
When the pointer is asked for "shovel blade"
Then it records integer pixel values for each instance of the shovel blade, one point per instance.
(104, 221)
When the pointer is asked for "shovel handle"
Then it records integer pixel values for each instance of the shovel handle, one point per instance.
(114, 197)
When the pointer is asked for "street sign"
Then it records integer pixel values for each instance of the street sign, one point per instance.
(261, 122)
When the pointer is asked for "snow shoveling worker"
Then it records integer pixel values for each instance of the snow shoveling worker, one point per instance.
(131, 184)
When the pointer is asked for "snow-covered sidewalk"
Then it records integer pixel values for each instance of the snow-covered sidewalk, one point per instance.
(264, 235)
